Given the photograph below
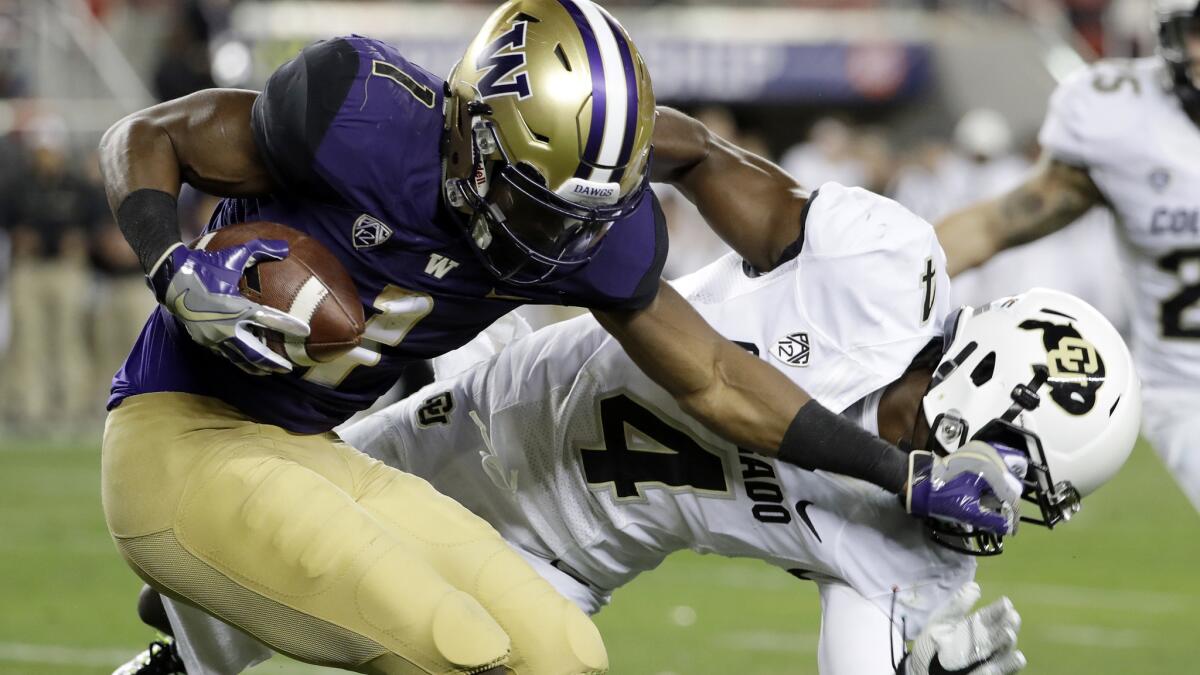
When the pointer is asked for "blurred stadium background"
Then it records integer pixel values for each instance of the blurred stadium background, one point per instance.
(933, 102)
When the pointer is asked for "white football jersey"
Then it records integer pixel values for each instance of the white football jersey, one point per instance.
(1120, 120)
(577, 457)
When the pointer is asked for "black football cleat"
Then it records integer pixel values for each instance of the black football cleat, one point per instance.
(160, 658)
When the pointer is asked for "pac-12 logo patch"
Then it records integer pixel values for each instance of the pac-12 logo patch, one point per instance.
(503, 63)
(793, 350)
(369, 231)
(1160, 178)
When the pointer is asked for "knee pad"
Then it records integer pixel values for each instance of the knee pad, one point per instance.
(582, 636)
(466, 635)
(426, 620)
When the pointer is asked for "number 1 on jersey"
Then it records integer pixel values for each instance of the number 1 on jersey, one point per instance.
(399, 311)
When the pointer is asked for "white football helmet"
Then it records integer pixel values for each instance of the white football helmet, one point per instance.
(1046, 374)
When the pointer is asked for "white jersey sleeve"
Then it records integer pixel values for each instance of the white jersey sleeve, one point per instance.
(1093, 111)
(867, 291)
(578, 458)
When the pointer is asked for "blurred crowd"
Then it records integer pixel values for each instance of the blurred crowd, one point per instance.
(72, 297)
(72, 294)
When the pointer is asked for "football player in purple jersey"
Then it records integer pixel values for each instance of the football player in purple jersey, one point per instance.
(520, 179)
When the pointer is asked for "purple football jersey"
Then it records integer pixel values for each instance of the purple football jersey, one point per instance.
(352, 132)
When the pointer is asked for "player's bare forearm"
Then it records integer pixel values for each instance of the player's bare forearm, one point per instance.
(730, 391)
(203, 139)
(1055, 196)
(749, 202)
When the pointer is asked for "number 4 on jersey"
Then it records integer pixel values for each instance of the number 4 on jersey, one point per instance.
(642, 450)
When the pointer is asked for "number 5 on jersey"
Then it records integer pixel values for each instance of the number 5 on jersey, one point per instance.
(399, 312)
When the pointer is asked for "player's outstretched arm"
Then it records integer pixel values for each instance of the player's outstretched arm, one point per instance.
(746, 401)
(749, 202)
(722, 385)
(204, 139)
(1053, 197)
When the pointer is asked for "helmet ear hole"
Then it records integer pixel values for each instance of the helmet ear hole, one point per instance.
(530, 171)
(984, 370)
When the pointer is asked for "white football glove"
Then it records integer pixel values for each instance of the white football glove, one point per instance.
(983, 642)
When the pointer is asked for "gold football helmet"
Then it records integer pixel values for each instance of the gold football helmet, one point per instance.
(549, 124)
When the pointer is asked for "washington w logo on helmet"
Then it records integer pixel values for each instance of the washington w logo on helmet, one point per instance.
(501, 59)
(1076, 369)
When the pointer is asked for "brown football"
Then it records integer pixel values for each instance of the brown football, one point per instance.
(309, 284)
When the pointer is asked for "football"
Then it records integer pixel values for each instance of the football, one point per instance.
(309, 284)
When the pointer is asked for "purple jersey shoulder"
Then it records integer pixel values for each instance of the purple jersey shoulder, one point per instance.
(351, 132)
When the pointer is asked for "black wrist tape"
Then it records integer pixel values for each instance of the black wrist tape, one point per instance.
(821, 439)
(149, 219)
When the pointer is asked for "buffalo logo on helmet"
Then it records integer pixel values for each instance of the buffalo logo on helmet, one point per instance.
(1076, 370)
(501, 60)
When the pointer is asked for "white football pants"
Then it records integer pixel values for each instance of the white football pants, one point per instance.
(1170, 423)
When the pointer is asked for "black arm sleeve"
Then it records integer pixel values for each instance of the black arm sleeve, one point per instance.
(819, 438)
(295, 110)
(149, 219)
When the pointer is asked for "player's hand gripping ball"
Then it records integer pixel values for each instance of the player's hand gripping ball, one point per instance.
(308, 284)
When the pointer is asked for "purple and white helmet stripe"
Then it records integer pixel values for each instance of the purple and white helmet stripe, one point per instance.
(614, 96)
(591, 151)
(631, 111)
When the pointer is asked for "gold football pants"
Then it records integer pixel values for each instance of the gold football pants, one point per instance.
(323, 553)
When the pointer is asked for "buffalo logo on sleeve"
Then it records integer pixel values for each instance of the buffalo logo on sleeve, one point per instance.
(793, 349)
(369, 231)
(435, 410)
(1076, 371)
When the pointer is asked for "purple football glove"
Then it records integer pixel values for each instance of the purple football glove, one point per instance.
(977, 485)
(201, 289)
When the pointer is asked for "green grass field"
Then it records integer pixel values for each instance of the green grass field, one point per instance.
(1115, 591)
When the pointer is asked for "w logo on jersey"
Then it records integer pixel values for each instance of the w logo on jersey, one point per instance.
(439, 265)
(502, 59)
